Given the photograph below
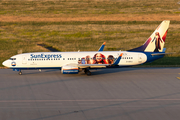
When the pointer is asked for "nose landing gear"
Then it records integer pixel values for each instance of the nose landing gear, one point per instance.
(20, 73)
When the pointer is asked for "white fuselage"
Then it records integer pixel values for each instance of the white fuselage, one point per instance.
(46, 60)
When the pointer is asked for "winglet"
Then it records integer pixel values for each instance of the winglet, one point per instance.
(118, 60)
(102, 47)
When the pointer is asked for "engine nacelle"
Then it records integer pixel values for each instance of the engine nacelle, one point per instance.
(67, 69)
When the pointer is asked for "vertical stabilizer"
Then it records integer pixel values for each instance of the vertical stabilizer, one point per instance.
(155, 43)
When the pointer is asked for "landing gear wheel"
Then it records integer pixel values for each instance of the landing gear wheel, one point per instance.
(88, 73)
(20, 73)
(85, 71)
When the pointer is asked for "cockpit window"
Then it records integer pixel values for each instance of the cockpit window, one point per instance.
(12, 58)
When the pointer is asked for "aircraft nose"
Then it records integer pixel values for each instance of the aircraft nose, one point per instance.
(5, 63)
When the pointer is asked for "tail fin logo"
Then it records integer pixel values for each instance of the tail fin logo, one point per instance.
(164, 37)
(157, 39)
(155, 43)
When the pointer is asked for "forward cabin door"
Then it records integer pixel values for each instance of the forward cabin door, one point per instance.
(24, 59)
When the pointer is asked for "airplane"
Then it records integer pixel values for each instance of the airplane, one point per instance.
(75, 62)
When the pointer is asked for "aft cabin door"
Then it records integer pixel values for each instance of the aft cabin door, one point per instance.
(140, 58)
(24, 59)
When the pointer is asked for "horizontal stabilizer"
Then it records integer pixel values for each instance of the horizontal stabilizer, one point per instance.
(161, 53)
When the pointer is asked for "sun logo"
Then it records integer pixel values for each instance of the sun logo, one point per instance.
(13, 64)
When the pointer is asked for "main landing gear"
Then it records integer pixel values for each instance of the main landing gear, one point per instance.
(87, 72)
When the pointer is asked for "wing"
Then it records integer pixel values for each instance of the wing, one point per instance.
(100, 65)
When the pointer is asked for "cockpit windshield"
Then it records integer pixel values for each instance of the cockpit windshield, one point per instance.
(12, 58)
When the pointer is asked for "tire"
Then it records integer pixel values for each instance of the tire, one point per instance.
(85, 71)
(20, 73)
(88, 73)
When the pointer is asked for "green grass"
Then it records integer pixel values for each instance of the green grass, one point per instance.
(34, 23)
(72, 36)
(77, 35)
(86, 35)
(76, 7)
(165, 61)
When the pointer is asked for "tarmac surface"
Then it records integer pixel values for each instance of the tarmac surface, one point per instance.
(108, 94)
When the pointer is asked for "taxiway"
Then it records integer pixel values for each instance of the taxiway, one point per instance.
(108, 94)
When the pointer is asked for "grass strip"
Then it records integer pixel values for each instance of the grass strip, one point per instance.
(35, 23)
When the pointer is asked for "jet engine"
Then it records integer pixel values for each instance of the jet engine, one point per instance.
(67, 69)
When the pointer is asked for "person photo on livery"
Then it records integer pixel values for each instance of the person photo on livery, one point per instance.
(99, 59)
(110, 59)
(157, 40)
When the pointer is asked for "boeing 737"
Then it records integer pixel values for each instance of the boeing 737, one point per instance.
(74, 62)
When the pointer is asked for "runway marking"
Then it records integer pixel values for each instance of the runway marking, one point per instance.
(85, 103)
(52, 103)
(98, 100)
(21, 103)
